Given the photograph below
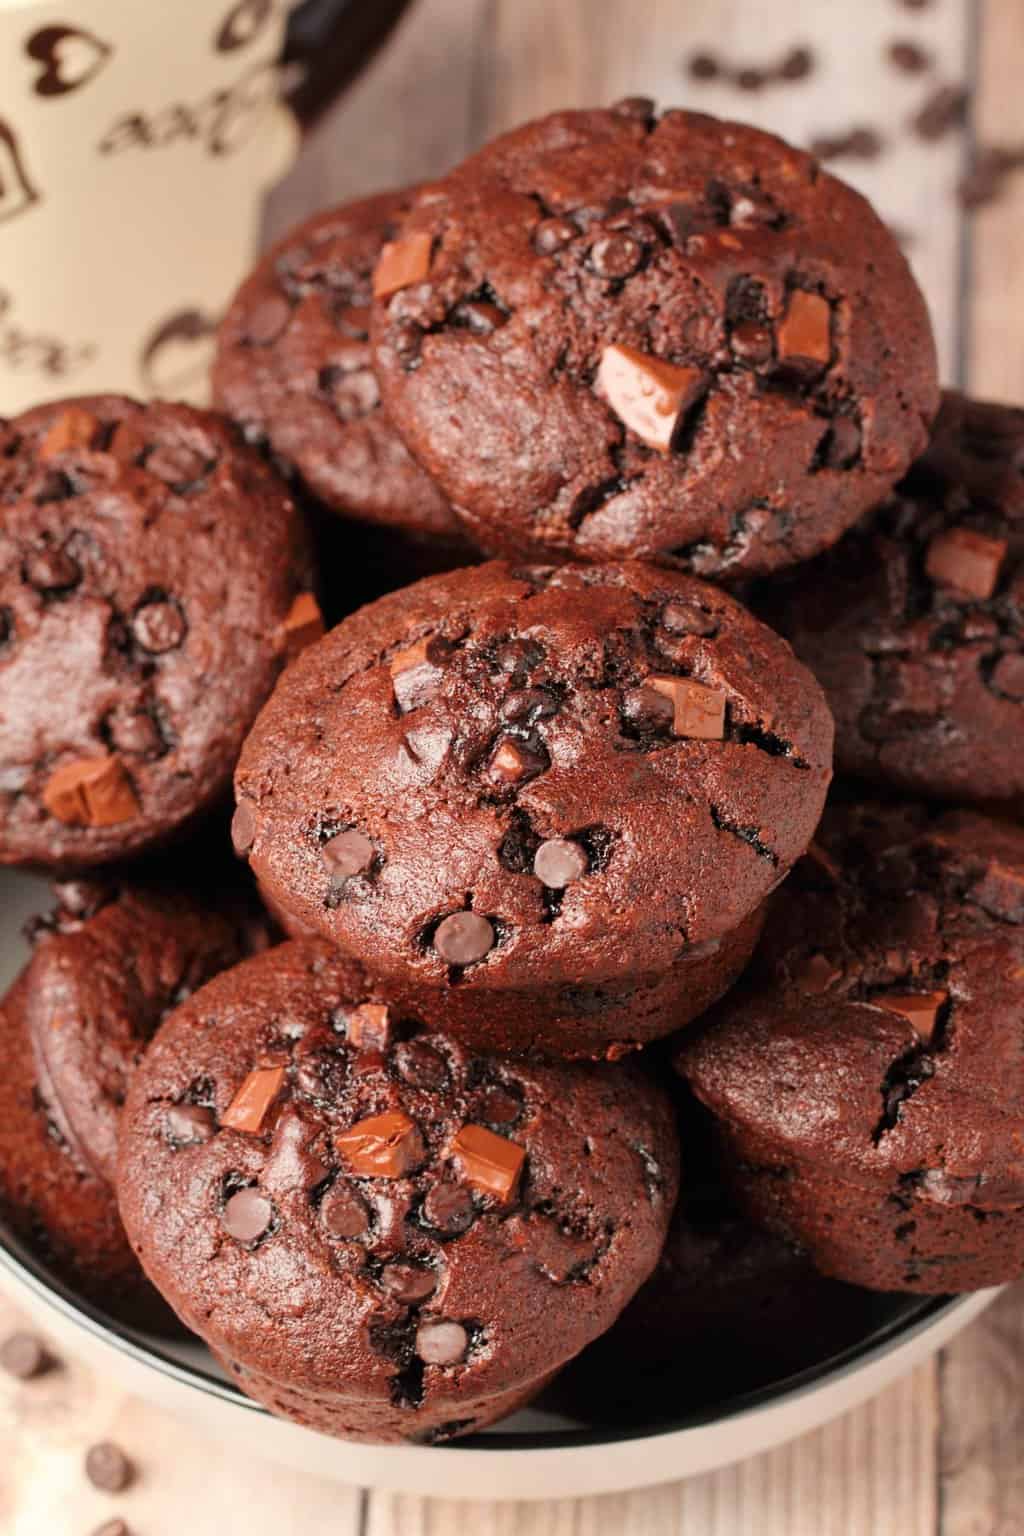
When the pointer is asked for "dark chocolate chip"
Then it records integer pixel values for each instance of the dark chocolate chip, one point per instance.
(448, 1208)
(247, 1215)
(52, 570)
(243, 828)
(135, 735)
(647, 709)
(420, 1065)
(635, 106)
(681, 618)
(527, 705)
(188, 1124)
(751, 342)
(24, 1356)
(499, 1106)
(408, 1283)
(615, 256)
(343, 1213)
(464, 938)
(107, 1467)
(349, 853)
(159, 626)
(558, 862)
(551, 234)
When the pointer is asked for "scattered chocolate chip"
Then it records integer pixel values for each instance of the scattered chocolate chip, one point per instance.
(448, 1208)
(703, 66)
(265, 323)
(52, 570)
(243, 828)
(247, 1215)
(615, 256)
(551, 234)
(408, 1283)
(513, 762)
(649, 396)
(698, 713)
(91, 792)
(908, 57)
(463, 938)
(921, 1010)
(402, 263)
(440, 1343)
(499, 1106)
(186, 1125)
(24, 1356)
(159, 626)
(681, 618)
(751, 342)
(944, 111)
(416, 672)
(489, 1163)
(420, 1065)
(343, 1213)
(965, 560)
(647, 709)
(135, 735)
(635, 106)
(250, 1105)
(348, 854)
(528, 705)
(107, 1467)
(558, 862)
(179, 464)
(382, 1146)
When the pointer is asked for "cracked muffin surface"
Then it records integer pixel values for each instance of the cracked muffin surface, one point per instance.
(294, 369)
(615, 334)
(153, 580)
(866, 1079)
(912, 624)
(526, 778)
(382, 1234)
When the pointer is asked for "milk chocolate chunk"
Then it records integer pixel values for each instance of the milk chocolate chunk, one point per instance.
(804, 339)
(440, 1343)
(966, 561)
(248, 1109)
(303, 624)
(381, 1147)
(247, 1215)
(349, 853)
(464, 938)
(73, 428)
(649, 396)
(558, 862)
(91, 792)
(920, 1009)
(415, 672)
(490, 1163)
(697, 712)
(402, 263)
(370, 1027)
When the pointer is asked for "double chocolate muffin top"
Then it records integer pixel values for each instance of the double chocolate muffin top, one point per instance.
(614, 334)
(294, 369)
(522, 777)
(153, 580)
(914, 624)
(374, 1218)
(879, 1034)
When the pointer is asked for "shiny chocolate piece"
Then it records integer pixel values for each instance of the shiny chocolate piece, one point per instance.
(449, 1208)
(648, 395)
(91, 792)
(349, 853)
(804, 338)
(73, 428)
(441, 1343)
(189, 1125)
(159, 626)
(250, 1105)
(344, 1213)
(967, 561)
(303, 624)
(415, 673)
(697, 712)
(464, 938)
(402, 263)
(558, 862)
(381, 1147)
(370, 1027)
(513, 762)
(408, 1283)
(490, 1163)
(920, 1009)
(247, 1215)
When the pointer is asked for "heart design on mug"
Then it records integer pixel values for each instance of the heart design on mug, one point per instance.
(176, 356)
(17, 193)
(69, 56)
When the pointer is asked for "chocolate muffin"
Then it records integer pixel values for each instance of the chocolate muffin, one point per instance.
(109, 964)
(545, 803)
(153, 579)
(613, 334)
(913, 623)
(867, 1080)
(294, 369)
(383, 1235)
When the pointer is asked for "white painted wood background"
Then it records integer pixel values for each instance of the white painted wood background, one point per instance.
(938, 1454)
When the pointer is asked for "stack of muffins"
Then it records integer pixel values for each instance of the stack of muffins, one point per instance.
(525, 816)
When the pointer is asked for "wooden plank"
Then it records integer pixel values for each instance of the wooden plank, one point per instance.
(186, 1481)
(995, 341)
(982, 1407)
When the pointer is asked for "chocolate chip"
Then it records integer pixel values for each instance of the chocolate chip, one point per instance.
(24, 1356)
(420, 1065)
(647, 709)
(908, 57)
(513, 761)
(265, 323)
(343, 1213)
(704, 66)
(499, 1106)
(441, 1343)
(751, 342)
(480, 317)
(136, 735)
(187, 1125)
(635, 106)
(615, 256)
(52, 570)
(857, 144)
(408, 1283)
(559, 862)
(349, 853)
(797, 64)
(179, 464)
(551, 234)
(247, 1215)
(681, 618)
(159, 626)
(107, 1467)
(243, 828)
(464, 938)
(528, 705)
(448, 1208)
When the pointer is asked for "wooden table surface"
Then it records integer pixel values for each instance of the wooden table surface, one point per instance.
(939, 1452)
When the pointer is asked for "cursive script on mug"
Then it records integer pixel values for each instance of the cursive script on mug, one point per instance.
(23, 352)
(222, 122)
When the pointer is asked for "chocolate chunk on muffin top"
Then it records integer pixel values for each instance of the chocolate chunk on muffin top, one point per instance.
(615, 334)
(517, 778)
(294, 369)
(913, 623)
(866, 1078)
(382, 1233)
(153, 581)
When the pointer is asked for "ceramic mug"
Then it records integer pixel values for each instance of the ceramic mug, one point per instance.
(138, 139)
